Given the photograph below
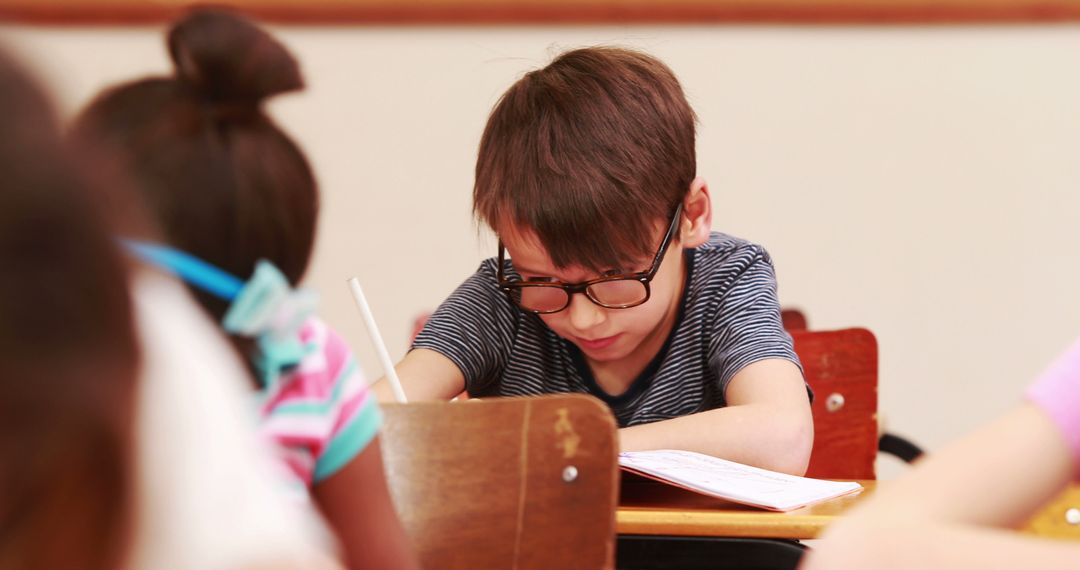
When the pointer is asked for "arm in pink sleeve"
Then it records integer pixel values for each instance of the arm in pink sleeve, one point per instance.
(1057, 392)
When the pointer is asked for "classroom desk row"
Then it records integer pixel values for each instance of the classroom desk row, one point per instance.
(650, 508)
(535, 481)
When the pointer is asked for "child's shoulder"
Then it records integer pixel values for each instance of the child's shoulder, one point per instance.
(329, 356)
(325, 376)
(726, 262)
(315, 331)
(724, 247)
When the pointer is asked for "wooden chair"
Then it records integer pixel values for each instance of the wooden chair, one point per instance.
(505, 483)
(842, 368)
(793, 320)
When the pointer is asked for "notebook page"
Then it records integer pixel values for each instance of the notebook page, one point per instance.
(734, 481)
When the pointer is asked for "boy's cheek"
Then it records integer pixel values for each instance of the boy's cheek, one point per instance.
(553, 322)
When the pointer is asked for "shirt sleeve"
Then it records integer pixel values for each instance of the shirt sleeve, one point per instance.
(1057, 393)
(747, 327)
(475, 328)
(353, 412)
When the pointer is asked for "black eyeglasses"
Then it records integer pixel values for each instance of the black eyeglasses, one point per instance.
(611, 291)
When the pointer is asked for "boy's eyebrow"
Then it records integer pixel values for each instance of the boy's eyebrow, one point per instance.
(542, 274)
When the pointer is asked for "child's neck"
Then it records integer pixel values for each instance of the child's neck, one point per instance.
(615, 378)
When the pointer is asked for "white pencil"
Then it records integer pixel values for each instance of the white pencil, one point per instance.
(376, 338)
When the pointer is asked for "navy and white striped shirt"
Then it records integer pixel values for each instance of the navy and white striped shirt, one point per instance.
(729, 318)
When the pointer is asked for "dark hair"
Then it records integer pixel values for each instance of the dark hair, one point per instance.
(588, 153)
(68, 354)
(222, 180)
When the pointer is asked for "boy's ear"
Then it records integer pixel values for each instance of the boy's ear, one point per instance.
(697, 215)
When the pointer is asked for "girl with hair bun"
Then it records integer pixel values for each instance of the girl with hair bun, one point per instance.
(110, 377)
(237, 205)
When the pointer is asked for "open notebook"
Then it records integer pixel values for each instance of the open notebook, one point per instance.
(733, 481)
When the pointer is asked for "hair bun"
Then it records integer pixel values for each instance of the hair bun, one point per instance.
(229, 59)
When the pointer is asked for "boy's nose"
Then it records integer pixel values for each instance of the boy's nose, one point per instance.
(584, 314)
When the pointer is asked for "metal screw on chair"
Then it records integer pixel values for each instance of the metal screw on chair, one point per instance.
(834, 402)
(1072, 516)
(569, 474)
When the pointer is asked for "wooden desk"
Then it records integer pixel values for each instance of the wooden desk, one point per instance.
(651, 508)
(1060, 518)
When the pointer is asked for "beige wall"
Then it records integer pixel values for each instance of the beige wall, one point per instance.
(922, 182)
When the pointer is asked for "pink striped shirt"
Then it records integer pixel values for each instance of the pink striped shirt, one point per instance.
(320, 414)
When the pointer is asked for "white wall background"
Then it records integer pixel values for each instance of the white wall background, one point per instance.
(922, 182)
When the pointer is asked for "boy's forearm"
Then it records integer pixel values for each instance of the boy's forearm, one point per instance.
(425, 375)
(415, 391)
(382, 390)
(754, 434)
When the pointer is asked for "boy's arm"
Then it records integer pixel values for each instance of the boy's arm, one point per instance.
(767, 422)
(937, 514)
(425, 375)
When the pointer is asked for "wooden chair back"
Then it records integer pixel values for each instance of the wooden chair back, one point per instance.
(505, 483)
(793, 319)
(842, 368)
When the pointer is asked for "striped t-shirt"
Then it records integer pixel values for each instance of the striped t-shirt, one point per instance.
(319, 414)
(729, 318)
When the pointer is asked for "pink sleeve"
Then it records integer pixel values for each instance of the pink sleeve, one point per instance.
(354, 416)
(1057, 392)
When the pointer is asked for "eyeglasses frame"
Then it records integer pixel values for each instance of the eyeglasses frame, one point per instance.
(644, 277)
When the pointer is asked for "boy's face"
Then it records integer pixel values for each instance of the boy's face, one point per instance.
(610, 336)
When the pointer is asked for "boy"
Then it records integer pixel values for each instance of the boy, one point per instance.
(608, 280)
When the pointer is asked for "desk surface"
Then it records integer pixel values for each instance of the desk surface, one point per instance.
(652, 508)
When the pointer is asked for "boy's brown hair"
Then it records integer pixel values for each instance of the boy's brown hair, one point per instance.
(588, 153)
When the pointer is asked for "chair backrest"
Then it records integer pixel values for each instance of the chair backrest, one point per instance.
(793, 319)
(842, 368)
(505, 483)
